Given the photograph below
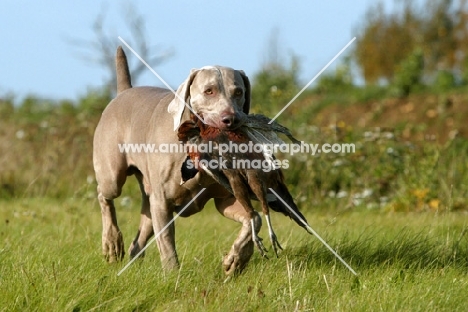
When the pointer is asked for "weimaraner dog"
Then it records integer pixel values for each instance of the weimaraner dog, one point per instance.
(151, 115)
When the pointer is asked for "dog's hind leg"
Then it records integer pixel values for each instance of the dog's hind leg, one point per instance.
(111, 174)
(112, 239)
(145, 230)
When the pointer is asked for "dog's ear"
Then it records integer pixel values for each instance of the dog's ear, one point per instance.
(177, 106)
(247, 94)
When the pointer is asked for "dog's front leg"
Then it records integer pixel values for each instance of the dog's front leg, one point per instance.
(243, 247)
(164, 229)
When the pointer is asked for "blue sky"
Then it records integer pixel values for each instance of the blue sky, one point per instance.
(36, 57)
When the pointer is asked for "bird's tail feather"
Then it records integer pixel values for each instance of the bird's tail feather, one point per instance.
(285, 207)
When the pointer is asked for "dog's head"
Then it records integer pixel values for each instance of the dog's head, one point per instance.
(220, 94)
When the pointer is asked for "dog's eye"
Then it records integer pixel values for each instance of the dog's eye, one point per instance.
(209, 91)
(238, 92)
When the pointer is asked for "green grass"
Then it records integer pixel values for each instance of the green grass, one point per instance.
(50, 261)
(395, 210)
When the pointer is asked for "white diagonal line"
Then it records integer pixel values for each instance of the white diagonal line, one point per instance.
(313, 79)
(160, 78)
(309, 228)
(159, 233)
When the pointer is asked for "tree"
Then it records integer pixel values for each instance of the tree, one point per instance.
(388, 39)
(385, 40)
(277, 81)
(101, 49)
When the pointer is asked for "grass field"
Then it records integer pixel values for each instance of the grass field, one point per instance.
(407, 261)
(396, 210)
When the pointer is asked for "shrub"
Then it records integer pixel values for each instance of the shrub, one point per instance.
(409, 74)
(445, 80)
(338, 81)
(274, 86)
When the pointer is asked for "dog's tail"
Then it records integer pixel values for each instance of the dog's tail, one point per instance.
(124, 81)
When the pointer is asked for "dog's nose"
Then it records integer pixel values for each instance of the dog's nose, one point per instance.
(228, 120)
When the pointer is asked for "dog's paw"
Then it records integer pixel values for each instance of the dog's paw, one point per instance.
(113, 247)
(236, 260)
(135, 250)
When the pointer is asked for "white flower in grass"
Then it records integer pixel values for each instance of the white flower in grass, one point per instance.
(20, 134)
(126, 201)
(90, 179)
(341, 194)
